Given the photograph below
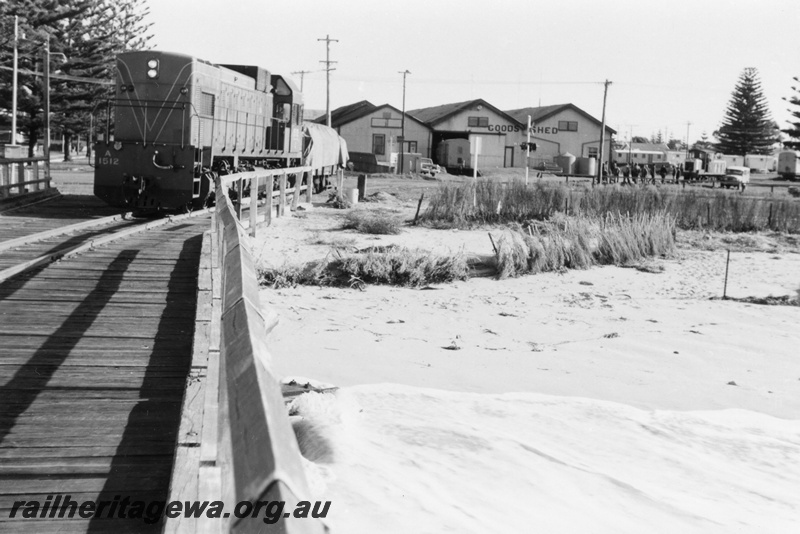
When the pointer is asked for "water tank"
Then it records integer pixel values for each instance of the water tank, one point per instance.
(586, 166)
(566, 161)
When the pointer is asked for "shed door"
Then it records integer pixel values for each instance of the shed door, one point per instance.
(508, 160)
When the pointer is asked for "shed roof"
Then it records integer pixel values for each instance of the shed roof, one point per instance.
(545, 112)
(437, 114)
(347, 114)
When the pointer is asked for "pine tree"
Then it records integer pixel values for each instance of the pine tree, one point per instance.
(794, 131)
(747, 127)
(84, 37)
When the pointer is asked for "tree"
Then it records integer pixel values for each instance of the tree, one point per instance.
(638, 139)
(747, 127)
(86, 35)
(794, 131)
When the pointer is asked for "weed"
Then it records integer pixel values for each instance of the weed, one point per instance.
(580, 242)
(391, 265)
(378, 222)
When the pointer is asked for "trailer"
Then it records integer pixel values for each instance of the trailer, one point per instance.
(789, 165)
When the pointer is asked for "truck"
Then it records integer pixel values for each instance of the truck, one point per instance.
(735, 176)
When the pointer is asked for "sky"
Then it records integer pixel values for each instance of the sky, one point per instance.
(673, 65)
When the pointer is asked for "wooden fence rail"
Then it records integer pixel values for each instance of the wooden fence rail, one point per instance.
(264, 181)
(246, 450)
(23, 175)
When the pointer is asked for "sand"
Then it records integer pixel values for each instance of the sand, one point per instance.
(603, 400)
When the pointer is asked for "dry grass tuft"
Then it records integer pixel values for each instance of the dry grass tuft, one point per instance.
(580, 242)
(387, 265)
(495, 202)
(378, 222)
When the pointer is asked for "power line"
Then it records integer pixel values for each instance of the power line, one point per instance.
(65, 77)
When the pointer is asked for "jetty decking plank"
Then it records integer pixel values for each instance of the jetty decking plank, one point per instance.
(94, 354)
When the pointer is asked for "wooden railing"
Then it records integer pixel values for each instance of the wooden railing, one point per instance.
(236, 443)
(265, 181)
(23, 175)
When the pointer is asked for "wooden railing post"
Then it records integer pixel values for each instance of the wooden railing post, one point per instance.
(240, 191)
(270, 185)
(282, 201)
(309, 185)
(253, 205)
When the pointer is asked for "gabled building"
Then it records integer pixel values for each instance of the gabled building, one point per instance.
(564, 128)
(500, 133)
(372, 129)
(648, 153)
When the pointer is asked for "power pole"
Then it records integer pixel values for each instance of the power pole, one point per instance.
(687, 138)
(602, 132)
(302, 74)
(328, 70)
(14, 84)
(46, 91)
(403, 121)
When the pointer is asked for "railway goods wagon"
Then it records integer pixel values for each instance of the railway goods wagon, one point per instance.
(175, 120)
(454, 155)
(325, 152)
(789, 164)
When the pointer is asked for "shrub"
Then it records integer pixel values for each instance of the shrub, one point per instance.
(372, 222)
(494, 202)
(580, 242)
(388, 265)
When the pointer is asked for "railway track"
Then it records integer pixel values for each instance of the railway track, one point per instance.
(94, 354)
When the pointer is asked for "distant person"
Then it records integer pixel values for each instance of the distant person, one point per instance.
(674, 169)
(678, 172)
(626, 175)
(604, 172)
(635, 173)
(615, 171)
(643, 173)
(663, 173)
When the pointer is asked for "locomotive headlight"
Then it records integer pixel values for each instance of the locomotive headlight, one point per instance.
(152, 68)
(117, 146)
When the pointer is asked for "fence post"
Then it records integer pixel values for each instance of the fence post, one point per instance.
(269, 186)
(253, 206)
(282, 198)
(309, 185)
(240, 191)
(362, 187)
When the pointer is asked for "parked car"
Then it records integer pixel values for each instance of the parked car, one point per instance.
(427, 166)
(736, 176)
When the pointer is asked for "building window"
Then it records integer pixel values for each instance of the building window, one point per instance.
(568, 126)
(379, 144)
(478, 122)
(387, 114)
(593, 152)
(411, 147)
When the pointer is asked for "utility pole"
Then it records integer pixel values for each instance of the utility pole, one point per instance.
(602, 132)
(46, 92)
(403, 121)
(687, 138)
(528, 152)
(328, 70)
(14, 84)
(302, 74)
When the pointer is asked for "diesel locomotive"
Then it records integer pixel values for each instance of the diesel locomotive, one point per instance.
(177, 120)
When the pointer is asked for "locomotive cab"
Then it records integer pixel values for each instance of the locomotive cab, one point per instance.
(288, 117)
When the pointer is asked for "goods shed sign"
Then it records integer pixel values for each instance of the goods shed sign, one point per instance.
(547, 130)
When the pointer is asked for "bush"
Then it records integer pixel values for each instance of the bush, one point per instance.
(494, 202)
(580, 242)
(388, 265)
(372, 222)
